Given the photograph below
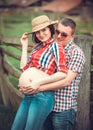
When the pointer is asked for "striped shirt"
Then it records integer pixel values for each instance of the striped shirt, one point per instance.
(49, 57)
(66, 98)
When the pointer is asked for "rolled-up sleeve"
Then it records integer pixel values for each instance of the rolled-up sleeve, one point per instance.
(77, 61)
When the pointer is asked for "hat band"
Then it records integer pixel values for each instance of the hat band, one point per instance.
(40, 23)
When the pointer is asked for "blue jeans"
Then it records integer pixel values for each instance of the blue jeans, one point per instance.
(60, 120)
(33, 111)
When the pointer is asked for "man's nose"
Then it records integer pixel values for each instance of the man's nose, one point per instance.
(59, 35)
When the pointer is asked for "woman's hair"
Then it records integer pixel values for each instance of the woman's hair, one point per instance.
(69, 22)
(36, 40)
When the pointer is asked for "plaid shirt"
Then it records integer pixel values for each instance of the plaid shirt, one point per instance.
(49, 57)
(66, 98)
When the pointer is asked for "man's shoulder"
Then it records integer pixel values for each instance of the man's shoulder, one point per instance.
(75, 47)
(75, 50)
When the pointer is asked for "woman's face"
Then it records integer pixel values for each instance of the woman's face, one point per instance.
(43, 34)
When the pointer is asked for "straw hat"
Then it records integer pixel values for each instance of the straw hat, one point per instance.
(41, 22)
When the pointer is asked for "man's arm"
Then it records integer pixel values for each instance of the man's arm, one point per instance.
(48, 79)
(59, 84)
(51, 86)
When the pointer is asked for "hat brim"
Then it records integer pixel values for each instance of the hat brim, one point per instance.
(50, 23)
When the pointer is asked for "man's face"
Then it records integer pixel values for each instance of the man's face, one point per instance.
(64, 34)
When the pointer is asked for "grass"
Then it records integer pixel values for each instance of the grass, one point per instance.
(14, 24)
(14, 62)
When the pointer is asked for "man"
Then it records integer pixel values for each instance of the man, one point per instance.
(66, 90)
(64, 113)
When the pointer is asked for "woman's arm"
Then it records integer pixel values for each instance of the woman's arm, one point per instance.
(24, 42)
(54, 85)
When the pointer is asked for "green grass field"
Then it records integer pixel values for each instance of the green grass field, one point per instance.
(15, 23)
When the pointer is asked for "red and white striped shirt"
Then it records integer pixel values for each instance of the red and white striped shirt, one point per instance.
(49, 57)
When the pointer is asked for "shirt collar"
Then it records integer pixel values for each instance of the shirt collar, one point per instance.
(39, 46)
(68, 45)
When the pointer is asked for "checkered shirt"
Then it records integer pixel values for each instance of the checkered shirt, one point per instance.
(66, 98)
(49, 57)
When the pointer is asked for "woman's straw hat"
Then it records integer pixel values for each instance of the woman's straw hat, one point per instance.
(41, 22)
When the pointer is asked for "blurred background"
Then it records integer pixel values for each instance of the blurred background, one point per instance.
(15, 15)
(15, 19)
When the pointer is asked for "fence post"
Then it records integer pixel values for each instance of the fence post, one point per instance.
(83, 114)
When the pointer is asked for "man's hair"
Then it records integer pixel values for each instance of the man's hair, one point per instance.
(69, 22)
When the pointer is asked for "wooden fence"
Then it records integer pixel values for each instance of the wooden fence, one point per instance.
(12, 97)
(91, 91)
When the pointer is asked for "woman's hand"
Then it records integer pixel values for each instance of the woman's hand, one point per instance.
(27, 90)
(23, 89)
(30, 88)
(24, 40)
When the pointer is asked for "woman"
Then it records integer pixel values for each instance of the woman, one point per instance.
(47, 57)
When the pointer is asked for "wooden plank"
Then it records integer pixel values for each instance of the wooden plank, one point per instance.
(92, 77)
(91, 108)
(91, 95)
(92, 50)
(61, 5)
(25, 3)
(83, 115)
(91, 86)
(92, 60)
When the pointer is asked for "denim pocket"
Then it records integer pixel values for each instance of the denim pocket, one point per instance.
(72, 115)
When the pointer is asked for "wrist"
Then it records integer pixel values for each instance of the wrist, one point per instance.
(40, 89)
(24, 48)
